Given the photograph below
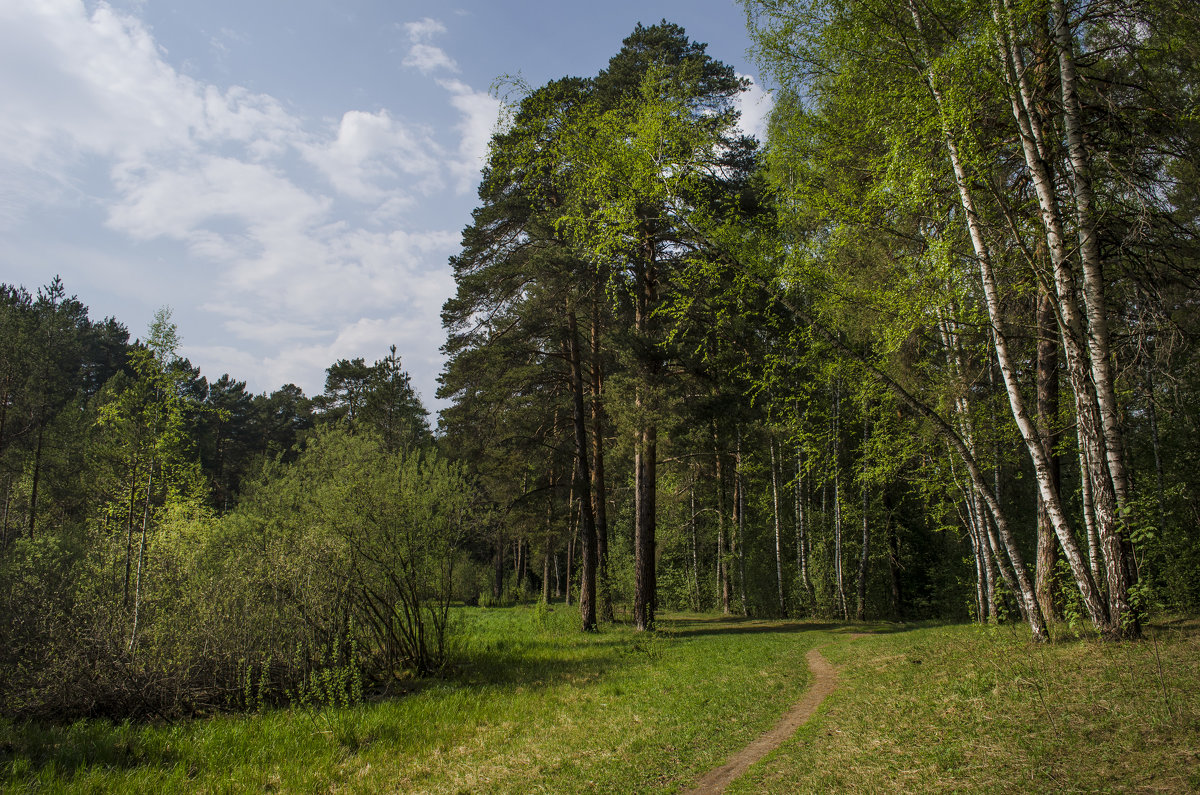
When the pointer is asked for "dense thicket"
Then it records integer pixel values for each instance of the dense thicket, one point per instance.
(172, 545)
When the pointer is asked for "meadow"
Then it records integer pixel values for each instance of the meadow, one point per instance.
(532, 705)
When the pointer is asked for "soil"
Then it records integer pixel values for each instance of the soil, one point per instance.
(824, 680)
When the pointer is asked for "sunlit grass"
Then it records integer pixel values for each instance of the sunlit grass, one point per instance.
(531, 705)
(971, 709)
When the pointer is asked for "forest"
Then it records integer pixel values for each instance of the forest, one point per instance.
(931, 352)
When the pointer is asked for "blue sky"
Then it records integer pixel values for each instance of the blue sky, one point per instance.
(289, 177)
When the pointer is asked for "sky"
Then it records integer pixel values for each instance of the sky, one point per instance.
(290, 177)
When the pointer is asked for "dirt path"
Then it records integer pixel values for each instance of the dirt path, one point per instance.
(824, 679)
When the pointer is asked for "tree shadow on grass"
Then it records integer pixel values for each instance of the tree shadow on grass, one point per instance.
(738, 625)
(28, 748)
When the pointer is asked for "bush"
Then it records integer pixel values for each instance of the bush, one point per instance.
(335, 572)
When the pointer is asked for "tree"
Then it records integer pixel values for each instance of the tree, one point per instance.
(144, 417)
(632, 167)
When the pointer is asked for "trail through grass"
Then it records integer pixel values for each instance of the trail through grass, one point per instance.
(535, 706)
(981, 709)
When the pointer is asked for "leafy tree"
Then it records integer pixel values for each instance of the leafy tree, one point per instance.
(144, 417)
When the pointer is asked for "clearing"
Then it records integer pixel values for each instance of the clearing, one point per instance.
(534, 706)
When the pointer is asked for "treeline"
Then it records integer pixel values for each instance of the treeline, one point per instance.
(171, 545)
(931, 351)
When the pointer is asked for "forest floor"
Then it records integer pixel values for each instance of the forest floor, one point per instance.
(533, 706)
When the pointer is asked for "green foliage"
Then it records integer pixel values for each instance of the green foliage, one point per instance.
(125, 594)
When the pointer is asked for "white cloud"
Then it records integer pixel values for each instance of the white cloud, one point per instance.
(428, 59)
(180, 201)
(755, 105)
(422, 55)
(424, 29)
(480, 113)
(296, 230)
(371, 151)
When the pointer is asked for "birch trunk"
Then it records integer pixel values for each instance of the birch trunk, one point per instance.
(1091, 599)
(1114, 538)
(860, 607)
(802, 540)
(1098, 425)
(778, 529)
(837, 507)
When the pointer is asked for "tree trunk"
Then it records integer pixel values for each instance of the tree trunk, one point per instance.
(129, 533)
(863, 560)
(1040, 457)
(695, 594)
(599, 493)
(984, 604)
(1094, 299)
(802, 540)
(1097, 413)
(893, 539)
(836, 442)
(137, 590)
(583, 483)
(645, 461)
(1156, 447)
(549, 553)
(739, 522)
(778, 529)
(1047, 417)
(723, 585)
(498, 567)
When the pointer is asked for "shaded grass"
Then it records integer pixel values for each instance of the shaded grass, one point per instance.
(973, 709)
(531, 706)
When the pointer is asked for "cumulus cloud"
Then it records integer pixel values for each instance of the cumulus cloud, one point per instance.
(292, 223)
(755, 105)
(422, 55)
(429, 59)
(480, 112)
(371, 151)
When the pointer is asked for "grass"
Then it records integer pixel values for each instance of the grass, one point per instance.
(534, 706)
(981, 709)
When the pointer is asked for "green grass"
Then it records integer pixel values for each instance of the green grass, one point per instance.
(534, 706)
(975, 709)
